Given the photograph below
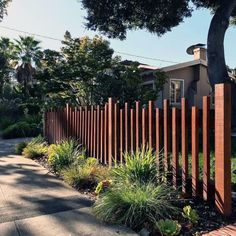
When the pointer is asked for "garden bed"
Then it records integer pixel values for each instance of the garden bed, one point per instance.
(132, 189)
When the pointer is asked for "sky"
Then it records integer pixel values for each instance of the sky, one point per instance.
(53, 17)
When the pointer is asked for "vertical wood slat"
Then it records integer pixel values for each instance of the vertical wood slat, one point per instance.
(150, 123)
(105, 133)
(95, 128)
(206, 147)
(137, 123)
(121, 135)
(223, 195)
(126, 139)
(195, 151)
(158, 146)
(88, 131)
(80, 123)
(166, 135)
(144, 128)
(110, 131)
(86, 126)
(83, 126)
(98, 132)
(184, 144)
(131, 130)
(175, 146)
(102, 137)
(116, 140)
(91, 131)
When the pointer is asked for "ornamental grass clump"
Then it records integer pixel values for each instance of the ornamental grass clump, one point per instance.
(81, 175)
(139, 167)
(64, 154)
(36, 148)
(135, 204)
(135, 195)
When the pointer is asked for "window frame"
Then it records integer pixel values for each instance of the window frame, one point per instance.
(170, 89)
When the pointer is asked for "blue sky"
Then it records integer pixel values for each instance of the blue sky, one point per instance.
(54, 17)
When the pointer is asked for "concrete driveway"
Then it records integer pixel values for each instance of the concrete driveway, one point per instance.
(33, 202)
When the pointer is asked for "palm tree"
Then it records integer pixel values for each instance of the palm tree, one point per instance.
(6, 56)
(27, 51)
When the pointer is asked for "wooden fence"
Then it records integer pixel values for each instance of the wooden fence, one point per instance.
(107, 132)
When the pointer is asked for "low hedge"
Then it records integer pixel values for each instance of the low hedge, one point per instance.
(20, 130)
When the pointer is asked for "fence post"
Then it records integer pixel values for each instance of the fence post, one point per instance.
(223, 197)
(110, 131)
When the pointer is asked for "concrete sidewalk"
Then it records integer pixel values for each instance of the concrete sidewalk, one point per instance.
(36, 203)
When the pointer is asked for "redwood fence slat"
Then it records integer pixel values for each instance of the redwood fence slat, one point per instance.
(223, 196)
(102, 137)
(166, 135)
(137, 121)
(109, 131)
(150, 123)
(95, 128)
(105, 133)
(206, 148)
(158, 149)
(144, 128)
(121, 135)
(195, 151)
(175, 146)
(98, 132)
(184, 144)
(131, 130)
(89, 131)
(116, 140)
(127, 141)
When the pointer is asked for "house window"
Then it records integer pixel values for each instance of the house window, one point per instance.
(148, 86)
(176, 91)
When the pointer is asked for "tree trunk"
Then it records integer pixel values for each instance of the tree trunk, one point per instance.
(217, 70)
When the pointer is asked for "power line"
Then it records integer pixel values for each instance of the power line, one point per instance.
(60, 40)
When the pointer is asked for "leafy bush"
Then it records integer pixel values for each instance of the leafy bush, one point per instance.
(133, 205)
(168, 227)
(190, 214)
(36, 148)
(20, 147)
(139, 167)
(6, 121)
(21, 129)
(64, 154)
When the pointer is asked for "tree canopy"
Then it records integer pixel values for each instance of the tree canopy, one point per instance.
(157, 16)
(3, 7)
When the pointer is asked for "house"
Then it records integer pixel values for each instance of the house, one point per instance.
(188, 79)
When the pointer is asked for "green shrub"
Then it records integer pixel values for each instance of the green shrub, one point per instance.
(83, 175)
(190, 214)
(36, 148)
(168, 227)
(64, 154)
(20, 147)
(21, 129)
(139, 167)
(133, 205)
(6, 121)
